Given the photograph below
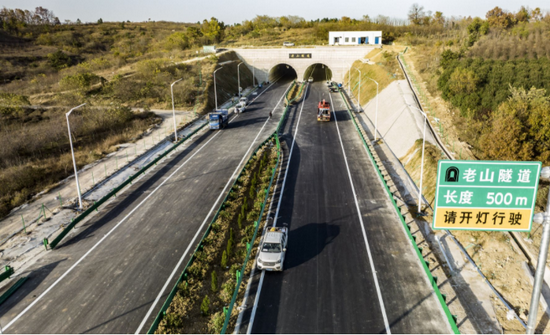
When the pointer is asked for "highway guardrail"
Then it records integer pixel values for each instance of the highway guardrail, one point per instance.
(182, 277)
(433, 280)
(116, 190)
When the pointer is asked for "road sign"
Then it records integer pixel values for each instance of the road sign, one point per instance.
(299, 55)
(485, 195)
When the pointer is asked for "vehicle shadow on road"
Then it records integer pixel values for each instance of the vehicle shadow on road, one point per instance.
(308, 241)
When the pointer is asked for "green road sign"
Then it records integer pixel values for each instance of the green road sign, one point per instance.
(485, 195)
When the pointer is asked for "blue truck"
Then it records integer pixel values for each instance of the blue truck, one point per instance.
(219, 119)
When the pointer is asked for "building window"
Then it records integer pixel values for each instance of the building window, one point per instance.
(353, 39)
(347, 39)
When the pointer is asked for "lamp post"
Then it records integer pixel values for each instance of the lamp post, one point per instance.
(375, 115)
(349, 80)
(215, 94)
(544, 219)
(422, 161)
(359, 94)
(239, 78)
(174, 109)
(74, 161)
(253, 75)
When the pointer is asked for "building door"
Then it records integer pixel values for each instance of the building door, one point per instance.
(366, 40)
(377, 40)
(336, 40)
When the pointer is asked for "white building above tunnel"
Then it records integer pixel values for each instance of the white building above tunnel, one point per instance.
(355, 38)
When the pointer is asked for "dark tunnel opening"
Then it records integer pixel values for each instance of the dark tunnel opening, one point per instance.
(318, 72)
(282, 71)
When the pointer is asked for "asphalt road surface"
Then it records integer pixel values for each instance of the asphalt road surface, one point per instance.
(349, 267)
(107, 276)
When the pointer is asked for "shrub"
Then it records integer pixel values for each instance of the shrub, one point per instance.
(214, 284)
(215, 325)
(80, 83)
(205, 306)
(240, 221)
(59, 60)
(224, 259)
(229, 247)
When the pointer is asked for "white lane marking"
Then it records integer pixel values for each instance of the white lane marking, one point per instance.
(253, 272)
(109, 233)
(253, 314)
(105, 236)
(202, 225)
(376, 284)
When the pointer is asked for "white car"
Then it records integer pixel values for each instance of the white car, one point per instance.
(273, 249)
(243, 101)
(288, 44)
(310, 79)
(240, 107)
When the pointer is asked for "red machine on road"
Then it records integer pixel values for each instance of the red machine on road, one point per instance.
(323, 111)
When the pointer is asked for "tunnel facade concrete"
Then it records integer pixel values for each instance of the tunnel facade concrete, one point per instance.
(337, 58)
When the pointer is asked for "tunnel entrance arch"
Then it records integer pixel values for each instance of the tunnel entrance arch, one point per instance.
(319, 72)
(282, 70)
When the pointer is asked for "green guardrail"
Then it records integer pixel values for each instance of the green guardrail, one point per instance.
(12, 289)
(183, 276)
(116, 190)
(275, 135)
(433, 280)
(6, 274)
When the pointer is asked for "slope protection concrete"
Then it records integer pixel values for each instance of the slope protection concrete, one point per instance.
(399, 123)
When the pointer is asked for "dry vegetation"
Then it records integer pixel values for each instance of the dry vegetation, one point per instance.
(211, 278)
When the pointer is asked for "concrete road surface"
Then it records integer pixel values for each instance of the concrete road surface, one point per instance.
(108, 276)
(349, 267)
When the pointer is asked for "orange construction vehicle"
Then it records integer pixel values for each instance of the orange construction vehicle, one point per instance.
(323, 111)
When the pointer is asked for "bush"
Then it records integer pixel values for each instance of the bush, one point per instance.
(80, 83)
(224, 259)
(59, 60)
(205, 306)
(240, 221)
(229, 247)
(215, 325)
(214, 284)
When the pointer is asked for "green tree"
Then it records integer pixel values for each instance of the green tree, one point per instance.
(519, 129)
(205, 306)
(463, 81)
(214, 283)
(100, 21)
(224, 259)
(59, 60)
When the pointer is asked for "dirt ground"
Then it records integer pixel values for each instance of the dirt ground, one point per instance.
(495, 253)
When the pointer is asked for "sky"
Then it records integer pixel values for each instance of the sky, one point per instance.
(237, 11)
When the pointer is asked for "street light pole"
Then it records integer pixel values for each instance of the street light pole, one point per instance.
(239, 78)
(174, 109)
(422, 161)
(253, 75)
(349, 80)
(215, 93)
(359, 95)
(375, 115)
(544, 219)
(74, 161)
